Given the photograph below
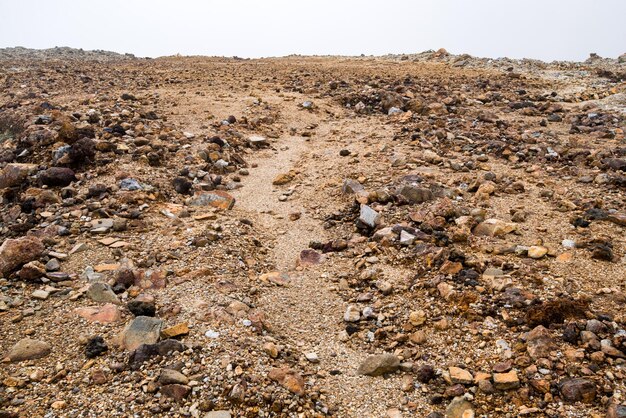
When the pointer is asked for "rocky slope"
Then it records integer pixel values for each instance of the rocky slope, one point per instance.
(418, 235)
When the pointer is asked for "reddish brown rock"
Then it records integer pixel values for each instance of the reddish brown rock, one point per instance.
(16, 252)
(289, 379)
(103, 314)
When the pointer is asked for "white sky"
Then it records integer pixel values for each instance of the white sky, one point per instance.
(544, 29)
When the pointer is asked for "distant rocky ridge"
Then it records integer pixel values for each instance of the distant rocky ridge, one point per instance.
(65, 53)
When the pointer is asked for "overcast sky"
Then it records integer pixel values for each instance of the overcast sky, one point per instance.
(544, 29)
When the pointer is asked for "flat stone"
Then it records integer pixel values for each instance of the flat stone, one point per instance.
(310, 257)
(176, 392)
(29, 349)
(14, 174)
(142, 330)
(369, 216)
(218, 414)
(177, 330)
(40, 294)
(169, 376)
(216, 198)
(539, 343)
(416, 195)
(102, 292)
(460, 408)
(276, 277)
(378, 365)
(106, 314)
(537, 251)
(289, 379)
(494, 228)
(462, 376)
(506, 381)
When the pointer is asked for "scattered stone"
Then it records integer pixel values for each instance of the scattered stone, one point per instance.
(142, 330)
(378, 365)
(16, 252)
(578, 390)
(289, 379)
(29, 349)
(95, 347)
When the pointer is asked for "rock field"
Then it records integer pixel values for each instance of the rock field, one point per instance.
(424, 235)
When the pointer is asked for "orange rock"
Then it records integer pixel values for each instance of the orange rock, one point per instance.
(289, 379)
(175, 331)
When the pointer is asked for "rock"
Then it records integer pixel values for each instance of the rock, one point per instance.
(40, 294)
(15, 174)
(416, 195)
(494, 228)
(141, 308)
(182, 185)
(539, 343)
(57, 177)
(460, 408)
(289, 379)
(425, 373)
(103, 314)
(271, 349)
(16, 252)
(537, 251)
(216, 198)
(175, 331)
(142, 330)
(176, 392)
(578, 390)
(462, 376)
(616, 411)
(406, 239)
(147, 351)
(29, 349)
(32, 271)
(170, 376)
(352, 314)
(351, 187)
(369, 217)
(218, 414)
(310, 257)
(283, 179)
(258, 140)
(378, 365)
(506, 381)
(130, 184)
(102, 292)
(95, 347)
(312, 357)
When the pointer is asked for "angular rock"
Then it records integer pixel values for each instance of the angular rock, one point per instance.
(176, 392)
(57, 177)
(95, 347)
(578, 390)
(539, 343)
(506, 381)
(175, 331)
(462, 376)
(216, 198)
(170, 376)
(289, 379)
(142, 330)
(141, 308)
(493, 228)
(380, 364)
(369, 217)
(102, 292)
(416, 195)
(460, 408)
(15, 174)
(103, 314)
(16, 252)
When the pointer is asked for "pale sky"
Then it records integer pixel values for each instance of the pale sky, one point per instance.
(543, 29)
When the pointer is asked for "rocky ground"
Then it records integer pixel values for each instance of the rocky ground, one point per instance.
(418, 235)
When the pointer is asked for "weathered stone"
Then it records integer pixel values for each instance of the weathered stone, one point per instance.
(177, 330)
(32, 271)
(289, 379)
(176, 392)
(170, 376)
(494, 228)
(537, 251)
(16, 252)
(57, 176)
(616, 411)
(369, 217)
(380, 364)
(216, 198)
(29, 349)
(578, 390)
(102, 292)
(142, 330)
(104, 314)
(539, 342)
(310, 257)
(416, 195)
(458, 375)
(460, 408)
(506, 381)
(15, 174)
(218, 414)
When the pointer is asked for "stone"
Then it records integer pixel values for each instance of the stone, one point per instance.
(351, 187)
(310, 257)
(537, 251)
(16, 252)
(29, 349)
(218, 414)
(170, 376)
(369, 217)
(283, 179)
(40, 294)
(494, 228)
(462, 376)
(289, 379)
(142, 330)
(406, 238)
(578, 390)
(95, 347)
(312, 357)
(506, 381)
(378, 365)
(271, 349)
(106, 314)
(141, 308)
(177, 330)
(276, 277)
(459, 407)
(130, 184)
(539, 343)
(216, 198)
(102, 292)
(258, 140)
(352, 314)
(416, 195)
(57, 177)
(616, 411)
(15, 174)
(176, 391)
